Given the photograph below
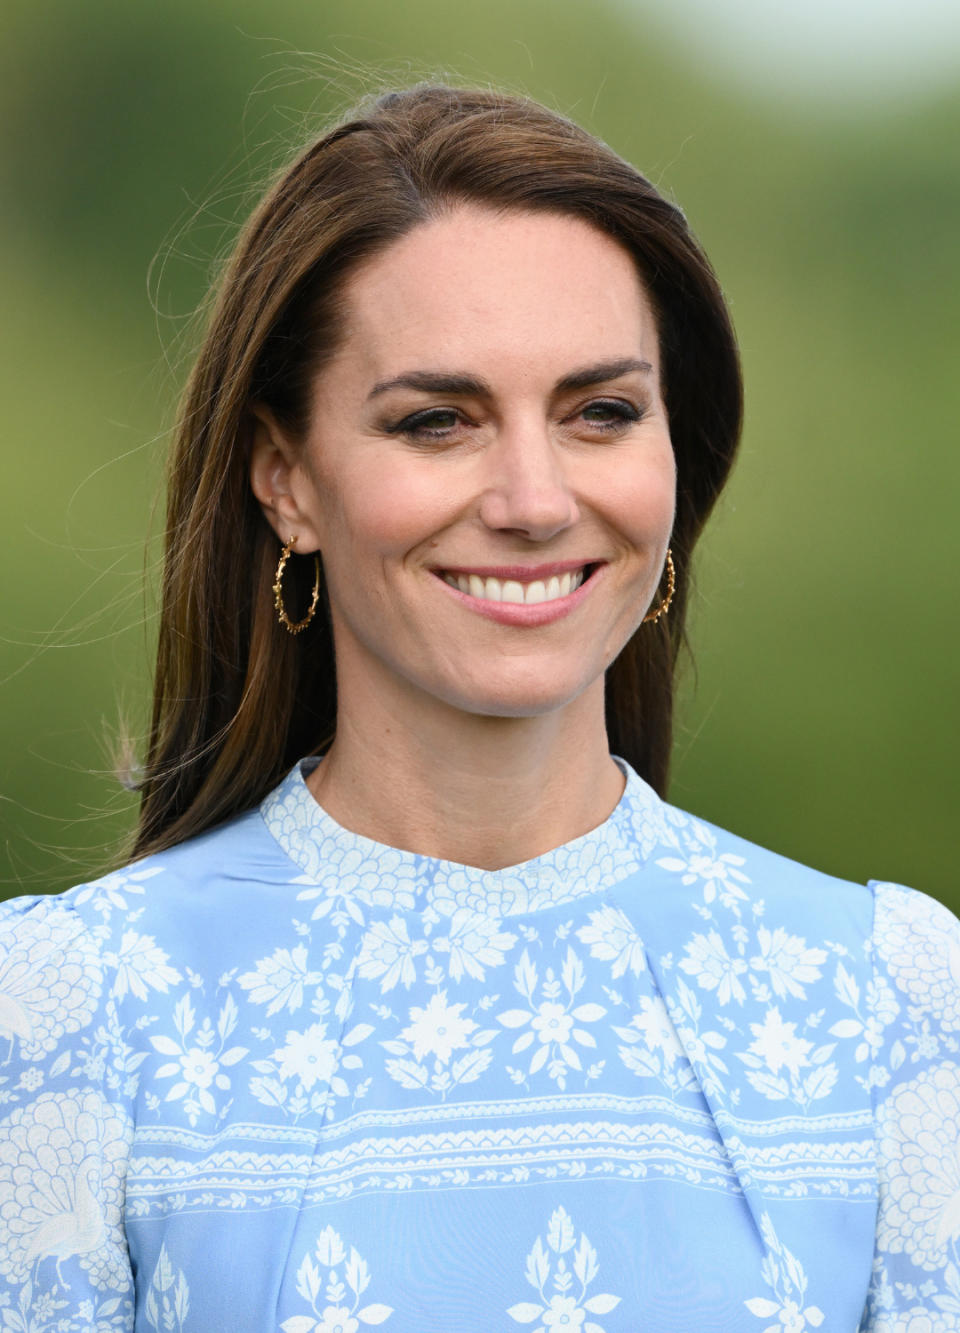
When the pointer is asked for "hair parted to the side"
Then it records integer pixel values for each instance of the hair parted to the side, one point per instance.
(236, 699)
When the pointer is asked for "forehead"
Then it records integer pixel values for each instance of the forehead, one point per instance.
(487, 291)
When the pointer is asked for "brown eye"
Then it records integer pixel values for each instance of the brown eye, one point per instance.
(434, 423)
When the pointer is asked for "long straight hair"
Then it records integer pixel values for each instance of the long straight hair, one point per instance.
(237, 700)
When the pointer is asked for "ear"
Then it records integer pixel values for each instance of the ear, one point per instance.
(280, 482)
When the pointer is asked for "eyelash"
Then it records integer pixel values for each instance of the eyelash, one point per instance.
(624, 413)
(416, 426)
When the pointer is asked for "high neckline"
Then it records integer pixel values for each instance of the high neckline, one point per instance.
(345, 864)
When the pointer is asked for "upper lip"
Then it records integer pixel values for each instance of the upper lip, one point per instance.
(520, 573)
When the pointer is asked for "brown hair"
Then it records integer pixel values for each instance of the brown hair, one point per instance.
(236, 699)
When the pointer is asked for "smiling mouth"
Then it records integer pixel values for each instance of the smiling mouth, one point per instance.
(534, 592)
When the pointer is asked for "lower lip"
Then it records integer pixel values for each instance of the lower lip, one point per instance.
(518, 613)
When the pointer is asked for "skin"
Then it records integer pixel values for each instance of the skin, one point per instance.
(458, 736)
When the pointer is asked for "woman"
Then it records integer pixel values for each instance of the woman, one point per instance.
(455, 1023)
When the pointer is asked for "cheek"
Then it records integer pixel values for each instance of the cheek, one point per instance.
(380, 513)
(639, 501)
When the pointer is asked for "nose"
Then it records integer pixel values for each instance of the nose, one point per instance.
(528, 491)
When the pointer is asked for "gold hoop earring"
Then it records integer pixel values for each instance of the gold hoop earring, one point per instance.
(294, 626)
(664, 605)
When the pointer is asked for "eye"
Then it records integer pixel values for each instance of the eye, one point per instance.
(433, 423)
(609, 414)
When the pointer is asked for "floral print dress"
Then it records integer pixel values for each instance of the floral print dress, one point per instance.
(658, 1079)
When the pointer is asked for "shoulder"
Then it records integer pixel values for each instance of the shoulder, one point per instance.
(204, 872)
(181, 903)
(917, 946)
(41, 919)
(911, 940)
(903, 925)
(909, 915)
(775, 886)
(51, 974)
(49, 956)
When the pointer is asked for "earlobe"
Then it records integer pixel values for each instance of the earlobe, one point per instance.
(274, 477)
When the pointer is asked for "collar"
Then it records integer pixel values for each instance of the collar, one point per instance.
(348, 865)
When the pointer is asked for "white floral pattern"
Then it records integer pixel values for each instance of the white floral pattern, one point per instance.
(201, 1058)
(357, 1054)
(281, 981)
(334, 1278)
(785, 1277)
(613, 937)
(782, 1065)
(703, 864)
(308, 1056)
(389, 954)
(555, 1027)
(709, 963)
(920, 1320)
(785, 958)
(562, 1268)
(436, 1031)
(167, 1303)
(652, 1048)
(473, 943)
(140, 966)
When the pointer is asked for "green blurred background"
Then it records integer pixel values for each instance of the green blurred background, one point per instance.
(820, 715)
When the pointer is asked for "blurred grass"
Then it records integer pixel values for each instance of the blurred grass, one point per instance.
(820, 719)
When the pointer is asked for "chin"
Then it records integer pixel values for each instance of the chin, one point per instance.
(516, 697)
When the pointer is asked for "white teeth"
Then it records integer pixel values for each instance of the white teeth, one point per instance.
(492, 591)
(511, 590)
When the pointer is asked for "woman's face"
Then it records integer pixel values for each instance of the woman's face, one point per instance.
(488, 470)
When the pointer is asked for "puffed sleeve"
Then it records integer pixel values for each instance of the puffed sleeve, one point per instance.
(65, 1127)
(914, 1039)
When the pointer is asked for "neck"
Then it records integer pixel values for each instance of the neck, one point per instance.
(482, 791)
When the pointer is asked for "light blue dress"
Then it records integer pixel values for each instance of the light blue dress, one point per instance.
(282, 1076)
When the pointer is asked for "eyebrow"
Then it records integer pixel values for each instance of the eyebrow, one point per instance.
(429, 381)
